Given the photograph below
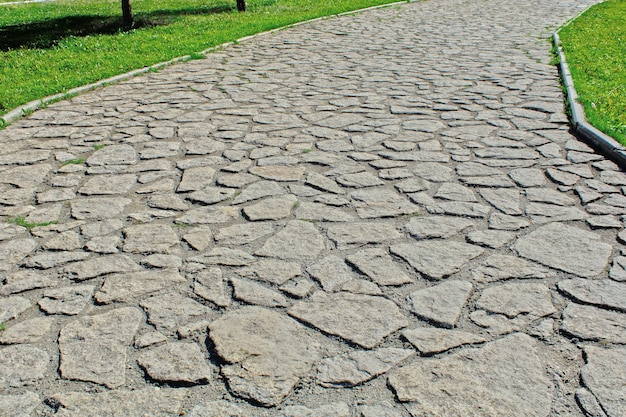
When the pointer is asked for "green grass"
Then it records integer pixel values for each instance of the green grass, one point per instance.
(76, 161)
(595, 49)
(20, 221)
(48, 48)
(3, 327)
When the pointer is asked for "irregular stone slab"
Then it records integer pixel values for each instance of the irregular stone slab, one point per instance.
(360, 366)
(297, 241)
(362, 319)
(437, 259)
(502, 267)
(566, 248)
(322, 213)
(101, 265)
(171, 310)
(618, 269)
(210, 195)
(493, 239)
(101, 228)
(19, 405)
(241, 234)
(545, 213)
(28, 331)
(150, 401)
(209, 215)
(196, 178)
(25, 157)
(93, 348)
(47, 260)
(272, 208)
(224, 256)
(381, 202)
(13, 251)
(258, 190)
(199, 238)
(548, 195)
(254, 293)
(108, 184)
(331, 272)
(505, 200)
(437, 226)
(66, 241)
(279, 172)
(512, 299)
(442, 303)
(603, 374)
(98, 207)
(378, 265)
(149, 238)
(499, 221)
(412, 185)
(460, 208)
(69, 300)
(505, 378)
(327, 410)
(121, 288)
(455, 192)
(499, 181)
(266, 353)
(113, 155)
(604, 222)
(12, 307)
(430, 340)
(272, 270)
(220, 408)
(360, 180)
(323, 183)
(22, 365)
(506, 153)
(26, 176)
(176, 362)
(352, 235)
(589, 404)
(209, 284)
(591, 323)
(385, 409)
(604, 293)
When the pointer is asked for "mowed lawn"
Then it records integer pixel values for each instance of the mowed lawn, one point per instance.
(595, 49)
(48, 48)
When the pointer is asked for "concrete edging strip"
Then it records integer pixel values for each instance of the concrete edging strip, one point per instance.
(597, 139)
(22, 110)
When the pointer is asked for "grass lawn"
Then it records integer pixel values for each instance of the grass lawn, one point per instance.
(48, 48)
(595, 49)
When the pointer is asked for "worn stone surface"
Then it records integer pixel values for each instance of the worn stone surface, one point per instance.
(504, 378)
(358, 367)
(566, 248)
(591, 323)
(603, 377)
(441, 303)
(22, 365)
(121, 403)
(356, 160)
(175, 362)
(361, 319)
(437, 259)
(19, 405)
(93, 348)
(265, 352)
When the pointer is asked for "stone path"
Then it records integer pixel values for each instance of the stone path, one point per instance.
(379, 215)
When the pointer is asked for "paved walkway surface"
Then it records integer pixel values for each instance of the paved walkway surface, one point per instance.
(379, 215)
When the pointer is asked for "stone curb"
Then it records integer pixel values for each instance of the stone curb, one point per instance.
(598, 140)
(30, 107)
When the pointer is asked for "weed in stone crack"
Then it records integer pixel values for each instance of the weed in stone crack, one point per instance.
(98, 147)
(3, 327)
(76, 161)
(21, 221)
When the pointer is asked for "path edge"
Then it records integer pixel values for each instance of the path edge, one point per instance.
(28, 108)
(600, 141)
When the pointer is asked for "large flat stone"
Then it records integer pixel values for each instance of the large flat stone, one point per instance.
(502, 267)
(122, 288)
(566, 248)
(441, 303)
(298, 240)
(604, 293)
(22, 365)
(361, 319)
(379, 266)
(266, 353)
(437, 259)
(93, 348)
(591, 323)
(603, 375)
(176, 362)
(357, 234)
(530, 299)
(429, 340)
(506, 378)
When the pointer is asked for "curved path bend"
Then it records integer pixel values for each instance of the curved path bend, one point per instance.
(378, 215)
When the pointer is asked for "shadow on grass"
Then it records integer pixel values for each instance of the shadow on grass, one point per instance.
(48, 33)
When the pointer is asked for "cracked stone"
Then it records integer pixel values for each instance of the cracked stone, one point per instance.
(591, 323)
(98, 207)
(176, 362)
(209, 284)
(298, 240)
(272, 208)
(69, 300)
(603, 293)
(254, 293)
(12, 307)
(502, 267)
(512, 299)
(121, 288)
(19, 405)
(108, 184)
(170, 311)
(353, 235)
(209, 215)
(361, 319)
(437, 226)
(437, 259)
(149, 238)
(505, 200)
(258, 190)
(331, 272)
(379, 266)
(377, 203)
(25, 280)
(22, 365)
(605, 379)
(272, 270)
(101, 265)
(493, 239)
(93, 348)
(429, 340)
(442, 303)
